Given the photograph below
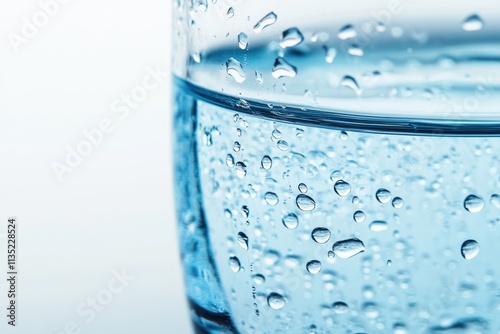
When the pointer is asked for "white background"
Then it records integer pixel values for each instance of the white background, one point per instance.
(112, 212)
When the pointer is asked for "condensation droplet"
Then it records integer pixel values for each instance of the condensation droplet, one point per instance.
(340, 307)
(265, 22)
(330, 54)
(389, 263)
(313, 267)
(245, 211)
(259, 279)
(282, 68)
(242, 41)
(276, 301)
(236, 146)
(243, 240)
(378, 226)
(266, 162)
(302, 188)
(397, 202)
(348, 248)
(370, 310)
(383, 196)
(473, 203)
(359, 216)
(336, 175)
(342, 188)
(282, 145)
(321, 235)
(235, 70)
(472, 23)
(290, 221)
(229, 161)
(291, 37)
(350, 82)
(271, 198)
(241, 169)
(234, 264)
(470, 249)
(495, 200)
(347, 32)
(305, 203)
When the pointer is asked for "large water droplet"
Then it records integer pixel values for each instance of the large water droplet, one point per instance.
(234, 264)
(359, 216)
(282, 68)
(473, 203)
(378, 226)
(472, 23)
(290, 221)
(242, 41)
(470, 249)
(241, 169)
(347, 32)
(264, 22)
(342, 188)
(313, 267)
(350, 82)
(305, 203)
(271, 198)
(234, 69)
(276, 301)
(383, 196)
(266, 162)
(348, 248)
(340, 307)
(243, 240)
(495, 200)
(291, 37)
(321, 235)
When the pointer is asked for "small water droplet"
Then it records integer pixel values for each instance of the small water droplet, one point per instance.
(397, 202)
(472, 23)
(342, 188)
(282, 145)
(336, 175)
(305, 203)
(359, 216)
(276, 134)
(271, 257)
(265, 22)
(230, 12)
(383, 196)
(259, 279)
(230, 161)
(313, 267)
(495, 200)
(242, 41)
(245, 211)
(236, 146)
(271, 198)
(266, 162)
(234, 264)
(347, 32)
(330, 54)
(350, 82)
(378, 226)
(355, 50)
(282, 68)
(348, 248)
(470, 249)
(473, 203)
(321, 235)
(370, 309)
(302, 188)
(243, 240)
(290, 221)
(241, 169)
(389, 263)
(331, 254)
(355, 200)
(235, 70)
(258, 77)
(340, 307)
(344, 135)
(291, 37)
(276, 301)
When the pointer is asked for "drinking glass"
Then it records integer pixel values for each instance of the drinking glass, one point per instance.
(338, 165)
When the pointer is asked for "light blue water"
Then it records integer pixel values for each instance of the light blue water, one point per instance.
(297, 217)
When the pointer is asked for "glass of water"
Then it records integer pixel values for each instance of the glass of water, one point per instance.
(338, 165)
